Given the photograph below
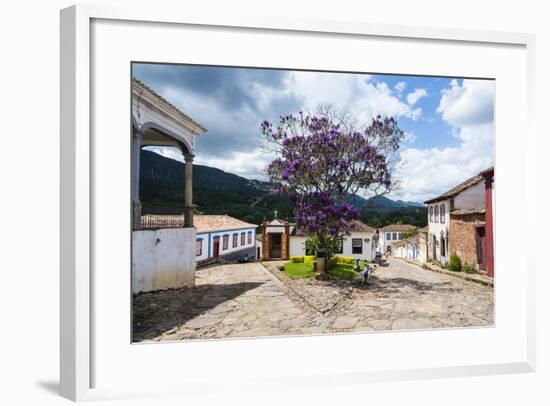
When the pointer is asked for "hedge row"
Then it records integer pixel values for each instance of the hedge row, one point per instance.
(307, 259)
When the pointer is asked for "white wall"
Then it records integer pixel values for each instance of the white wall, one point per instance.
(204, 254)
(163, 259)
(383, 242)
(368, 247)
(259, 250)
(297, 246)
(435, 228)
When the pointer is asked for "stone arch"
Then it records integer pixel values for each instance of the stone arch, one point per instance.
(181, 143)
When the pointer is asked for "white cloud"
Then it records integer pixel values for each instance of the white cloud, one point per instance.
(400, 87)
(366, 98)
(250, 165)
(468, 104)
(468, 109)
(413, 97)
(409, 137)
(425, 173)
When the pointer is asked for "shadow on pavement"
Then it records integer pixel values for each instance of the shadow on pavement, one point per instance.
(156, 312)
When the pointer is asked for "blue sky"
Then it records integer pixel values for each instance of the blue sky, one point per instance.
(448, 121)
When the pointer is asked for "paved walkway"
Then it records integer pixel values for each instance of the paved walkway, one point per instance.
(228, 301)
(246, 300)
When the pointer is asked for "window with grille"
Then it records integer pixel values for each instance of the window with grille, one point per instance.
(225, 242)
(357, 246)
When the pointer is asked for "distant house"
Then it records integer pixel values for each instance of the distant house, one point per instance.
(360, 244)
(423, 244)
(281, 240)
(390, 235)
(408, 248)
(223, 236)
(458, 223)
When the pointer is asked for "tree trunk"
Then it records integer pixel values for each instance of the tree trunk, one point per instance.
(321, 266)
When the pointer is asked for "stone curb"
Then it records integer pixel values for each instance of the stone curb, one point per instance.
(467, 277)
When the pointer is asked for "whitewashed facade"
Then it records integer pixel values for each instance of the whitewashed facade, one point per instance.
(409, 249)
(467, 195)
(360, 244)
(390, 235)
(163, 257)
(223, 237)
(438, 230)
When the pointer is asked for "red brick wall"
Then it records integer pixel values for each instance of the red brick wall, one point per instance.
(463, 237)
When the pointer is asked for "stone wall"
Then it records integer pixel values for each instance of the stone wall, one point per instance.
(463, 241)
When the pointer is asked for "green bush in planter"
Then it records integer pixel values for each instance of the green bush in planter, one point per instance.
(455, 264)
(309, 259)
(297, 259)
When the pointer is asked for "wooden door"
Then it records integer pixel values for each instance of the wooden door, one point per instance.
(481, 247)
(216, 252)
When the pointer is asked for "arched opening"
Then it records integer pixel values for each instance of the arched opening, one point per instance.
(181, 215)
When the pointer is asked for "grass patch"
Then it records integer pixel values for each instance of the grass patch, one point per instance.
(344, 271)
(299, 270)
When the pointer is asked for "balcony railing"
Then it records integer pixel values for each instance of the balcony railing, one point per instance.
(161, 217)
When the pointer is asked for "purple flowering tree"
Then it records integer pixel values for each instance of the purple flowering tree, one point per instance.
(322, 163)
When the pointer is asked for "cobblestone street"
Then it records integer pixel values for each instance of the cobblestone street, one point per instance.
(248, 300)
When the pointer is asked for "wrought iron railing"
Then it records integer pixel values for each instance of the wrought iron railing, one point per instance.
(155, 217)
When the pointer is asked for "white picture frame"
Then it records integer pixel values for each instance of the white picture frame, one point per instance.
(78, 353)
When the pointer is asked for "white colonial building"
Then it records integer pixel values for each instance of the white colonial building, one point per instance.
(222, 236)
(469, 194)
(390, 235)
(360, 244)
(163, 247)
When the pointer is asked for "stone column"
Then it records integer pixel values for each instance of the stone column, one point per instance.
(285, 241)
(188, 190)
(266, 254)
(136, 203)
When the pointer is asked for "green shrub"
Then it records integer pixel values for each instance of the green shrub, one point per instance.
(297, 259)
(455, 264)
(340, 259)
(469, 269)
(309, 259)
(296, 270)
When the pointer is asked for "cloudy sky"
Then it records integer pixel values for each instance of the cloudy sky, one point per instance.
(448, 122)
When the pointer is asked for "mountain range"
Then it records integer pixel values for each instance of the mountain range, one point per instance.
(218, 192)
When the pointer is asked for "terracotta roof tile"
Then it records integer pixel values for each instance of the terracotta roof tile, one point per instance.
(397, 227)
(360, 227)
(474, 180)
(214, 222)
